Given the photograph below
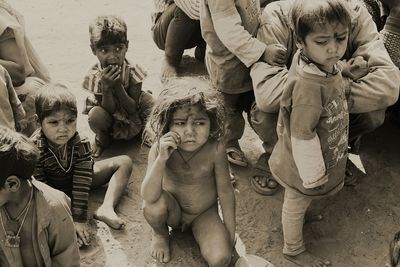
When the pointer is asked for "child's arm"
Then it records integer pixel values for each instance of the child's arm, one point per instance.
(306, 147)
(81, 183)
(110, 77)
(225, 191)
(18, 110)
(228, 26)
(126, 98)
(152, 183)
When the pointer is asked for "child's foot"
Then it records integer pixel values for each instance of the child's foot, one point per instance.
(160, 247)
(109, 217)
(306, 259)
(168, 71)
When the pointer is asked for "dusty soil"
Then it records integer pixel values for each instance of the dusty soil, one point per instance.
(358, 222)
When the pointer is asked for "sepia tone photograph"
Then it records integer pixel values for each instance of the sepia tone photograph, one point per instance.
(195, 133)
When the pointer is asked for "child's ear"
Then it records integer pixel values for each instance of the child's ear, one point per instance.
(127, 44)
(13, 183)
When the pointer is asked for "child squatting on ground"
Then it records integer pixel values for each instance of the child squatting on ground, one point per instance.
(66, 163)
(117, 108)
(187, 174)
(309, 159)
(36, 227)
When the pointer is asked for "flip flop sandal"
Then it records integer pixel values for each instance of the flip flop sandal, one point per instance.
(267, 190)
(242, 161)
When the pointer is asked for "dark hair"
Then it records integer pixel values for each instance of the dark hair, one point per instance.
(181, 92)
(105, 30)
(18, 155)
(307, 15)
(52, 98)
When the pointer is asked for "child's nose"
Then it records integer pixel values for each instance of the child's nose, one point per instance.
(189, 129)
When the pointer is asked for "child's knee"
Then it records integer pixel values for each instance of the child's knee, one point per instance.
(99, 118)
(220, 257)
(125, 162)
(157, 210)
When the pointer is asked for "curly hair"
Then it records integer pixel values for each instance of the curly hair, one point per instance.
(105, 30)
(182, 92)
(18, 155)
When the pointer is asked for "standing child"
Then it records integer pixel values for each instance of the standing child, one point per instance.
(11, 110)
(66, 163)
(309, 159)
(118, 108)
(36, 227)
(188, 174)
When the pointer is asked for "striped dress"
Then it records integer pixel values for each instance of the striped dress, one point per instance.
(73, 178)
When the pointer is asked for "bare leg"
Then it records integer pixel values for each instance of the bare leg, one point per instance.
(116, 171)
(165, 211)
(168, 70)
(213, 238)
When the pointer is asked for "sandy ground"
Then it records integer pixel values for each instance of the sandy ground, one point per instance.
(358, 222)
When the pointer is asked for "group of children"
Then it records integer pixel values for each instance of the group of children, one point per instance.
(187, 180)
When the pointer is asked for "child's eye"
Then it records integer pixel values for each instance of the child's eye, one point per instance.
(198, 123)
(70, 121)
(118, 49)
(321, 42)
(52, 122)
(179, 123)
(341, 39)
(103, 50)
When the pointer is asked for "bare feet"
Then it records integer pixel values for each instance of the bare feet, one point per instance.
(108, 216)
(306, 259)
(160, 247)
(168, 71)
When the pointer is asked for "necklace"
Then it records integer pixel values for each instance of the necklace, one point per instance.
(185, 164)
(12, 241)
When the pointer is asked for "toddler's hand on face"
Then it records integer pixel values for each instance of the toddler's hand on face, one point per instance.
(111, 76)
(168, 143)
(355, 68)
(275, 54)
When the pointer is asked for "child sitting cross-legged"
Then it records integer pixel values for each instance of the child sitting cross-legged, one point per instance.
(36, 227)
(66, 163)
(117, 107)
(188, 172)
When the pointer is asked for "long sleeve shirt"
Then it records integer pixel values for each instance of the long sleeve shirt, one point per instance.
(312, 130)
(377, 90)
(229, 27)
(75, 180)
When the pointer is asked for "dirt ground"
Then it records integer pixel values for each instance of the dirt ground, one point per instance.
(358, 222)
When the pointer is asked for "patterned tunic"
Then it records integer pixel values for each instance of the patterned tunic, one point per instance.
(75, 179)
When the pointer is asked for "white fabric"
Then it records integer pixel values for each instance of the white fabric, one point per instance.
(307, 155)
(190, 7)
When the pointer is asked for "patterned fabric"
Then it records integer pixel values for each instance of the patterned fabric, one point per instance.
(125, 126)
(190, 7)
(74, 180)
(392, 44)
